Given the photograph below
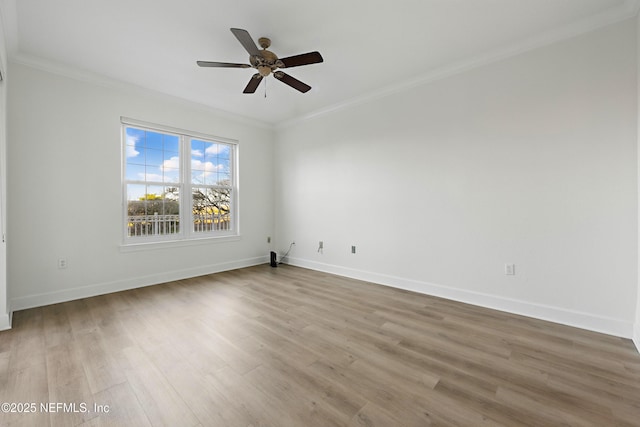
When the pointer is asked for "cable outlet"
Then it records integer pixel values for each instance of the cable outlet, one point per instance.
(510, 269)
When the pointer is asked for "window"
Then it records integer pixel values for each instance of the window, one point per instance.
(177, 184)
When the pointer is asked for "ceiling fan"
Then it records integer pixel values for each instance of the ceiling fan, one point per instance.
(266, 62)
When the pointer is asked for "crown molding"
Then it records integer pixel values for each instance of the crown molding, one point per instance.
(111, 83)
(628, 9)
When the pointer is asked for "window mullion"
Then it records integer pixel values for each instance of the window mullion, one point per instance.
(185, 212)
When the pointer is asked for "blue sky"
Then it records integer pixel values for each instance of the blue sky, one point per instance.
(153, 158)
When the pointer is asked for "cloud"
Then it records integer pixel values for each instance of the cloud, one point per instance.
(211, 150)
(214, 149)
(131, 148)
(207, 167)
(173, 163)
(171, 166)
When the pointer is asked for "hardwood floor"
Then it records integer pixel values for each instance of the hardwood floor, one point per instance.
(293, 347)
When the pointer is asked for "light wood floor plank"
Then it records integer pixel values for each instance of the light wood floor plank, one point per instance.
(161, 403)
(67, 383)
(117, 406)
(26, 386)
(289, 347)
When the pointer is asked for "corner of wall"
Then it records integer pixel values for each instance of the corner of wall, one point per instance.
(5, 321)
(5, 312)
(636, 326)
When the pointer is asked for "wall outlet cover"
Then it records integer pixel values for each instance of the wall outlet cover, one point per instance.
(510, 269)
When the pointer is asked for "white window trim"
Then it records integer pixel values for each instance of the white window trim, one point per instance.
(186, 236)
(178, 243)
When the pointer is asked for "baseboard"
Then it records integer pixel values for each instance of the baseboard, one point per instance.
(92, 290)
(577, 319)
(636, 336)
(5, 321)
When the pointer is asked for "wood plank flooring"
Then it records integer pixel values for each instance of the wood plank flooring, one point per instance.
(261, 347)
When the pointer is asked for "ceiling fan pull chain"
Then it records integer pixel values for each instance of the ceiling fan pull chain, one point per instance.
(265, 88)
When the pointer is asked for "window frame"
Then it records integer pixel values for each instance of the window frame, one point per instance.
(185, 185)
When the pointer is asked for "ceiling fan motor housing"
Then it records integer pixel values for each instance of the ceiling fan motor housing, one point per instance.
(265, 62)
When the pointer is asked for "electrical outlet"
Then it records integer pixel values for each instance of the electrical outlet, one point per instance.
(353, 249)
(62, 263)
(268, 239)
(510, 269)
(320, 244)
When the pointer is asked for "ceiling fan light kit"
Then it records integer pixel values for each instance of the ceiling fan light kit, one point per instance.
(267, 62)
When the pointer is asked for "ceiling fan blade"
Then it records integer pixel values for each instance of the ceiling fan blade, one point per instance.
(253, 83)
(303, 59)
(291, 81)
(246, 41)
(222, 64)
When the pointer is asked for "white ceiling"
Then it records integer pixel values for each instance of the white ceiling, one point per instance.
(369, 46)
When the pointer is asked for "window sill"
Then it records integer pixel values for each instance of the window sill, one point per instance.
(167, 244)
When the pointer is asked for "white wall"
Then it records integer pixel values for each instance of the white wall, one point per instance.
(65, 178)
(5, 321)
(531, 160)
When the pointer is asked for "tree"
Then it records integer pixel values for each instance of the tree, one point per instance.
(211, 208)
(207, 201)
(149, 204)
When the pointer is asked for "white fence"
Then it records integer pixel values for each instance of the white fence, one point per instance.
(154, 225)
